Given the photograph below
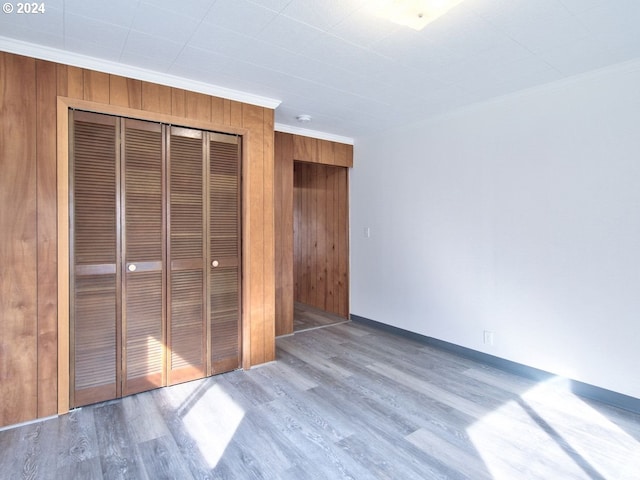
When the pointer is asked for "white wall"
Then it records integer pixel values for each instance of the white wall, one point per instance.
(520, 216)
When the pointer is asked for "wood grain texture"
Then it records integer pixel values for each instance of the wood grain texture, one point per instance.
(178, 105)
(63, 280)
(18, 240)
(198, 106)
(318, 251)
(327, 152)
(119, 96)
(224, 247)
(342, 228)
(217, 110)
(143, 224)
(95, 319)
(125, 92)
(46, 78)
(321, 253)
(314, 150)
(186, 288)
(321, 245)
(343, 401)
(283, 197)
(75, 82)
(306, 317)
(333, 235)
(254, 261)
(237, 114)
(199, 166)
(156, 98)
(305, 149)
(96, 86)
(62, 82)
(268, 242)
(342, 154)
(226, 111)
(117, 459)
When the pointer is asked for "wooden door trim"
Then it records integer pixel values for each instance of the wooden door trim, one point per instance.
(63, 106)
(63, 257)
(206, 251)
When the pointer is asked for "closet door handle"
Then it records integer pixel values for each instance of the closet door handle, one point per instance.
(132, 267)
(215, 263)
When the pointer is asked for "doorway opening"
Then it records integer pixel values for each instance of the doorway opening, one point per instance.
(320, 245)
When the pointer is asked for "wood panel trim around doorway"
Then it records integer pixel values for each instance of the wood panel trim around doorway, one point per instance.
(291, 149)
(315, 150)
(63, 106)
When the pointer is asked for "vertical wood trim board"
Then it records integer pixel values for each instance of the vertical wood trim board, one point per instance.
(35, 282)
(63, 256)
(284, 232)
(268, 245)
(254, 183)
(46, 78)
(18, 240)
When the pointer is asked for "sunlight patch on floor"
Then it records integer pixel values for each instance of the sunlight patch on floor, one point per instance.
(211, 421)
(504, 439)
(606, 447)
(542, 435)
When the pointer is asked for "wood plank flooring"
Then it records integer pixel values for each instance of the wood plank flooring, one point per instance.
(346, 401)
(306, 317)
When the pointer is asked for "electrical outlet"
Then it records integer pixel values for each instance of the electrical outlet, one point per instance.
(488, 337)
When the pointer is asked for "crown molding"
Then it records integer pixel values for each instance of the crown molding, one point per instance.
(106, 66)
(305, 132)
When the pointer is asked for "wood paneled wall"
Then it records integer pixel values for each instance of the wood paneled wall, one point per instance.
(30, 91)
(284, 232)
(321, 249)
(18, 242)
(312, 231)
(314, 150)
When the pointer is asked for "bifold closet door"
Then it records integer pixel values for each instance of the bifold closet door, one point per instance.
(143, 233)
(224, 251)
(187, 327)
(155, 255)
(95, 250)
(117, 224)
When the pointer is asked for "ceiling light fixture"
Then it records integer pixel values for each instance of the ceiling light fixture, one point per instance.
(413, 13)
(303, 118)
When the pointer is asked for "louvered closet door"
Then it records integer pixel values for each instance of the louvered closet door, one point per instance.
(187, 255)
(95, 278)
(224, 245)
(143, 217)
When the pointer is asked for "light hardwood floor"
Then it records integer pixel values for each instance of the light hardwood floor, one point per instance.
(345, 401)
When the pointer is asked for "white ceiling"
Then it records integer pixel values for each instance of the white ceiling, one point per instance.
(354, 73)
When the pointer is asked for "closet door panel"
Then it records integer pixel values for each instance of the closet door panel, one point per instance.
(143, 256)
(144, 347)
(94, 253)
(186, 324)
(187, 332)
(155, 252)
(95, 339)
(224, 245)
